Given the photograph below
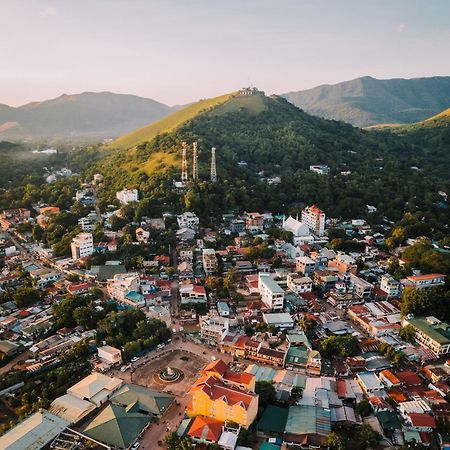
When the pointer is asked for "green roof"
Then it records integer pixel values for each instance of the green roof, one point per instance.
(307, 419)
(389, 420)
(269, 446)
(297, 355)
(438, 332)
(141, 399)
(273, 419)
(116, 427)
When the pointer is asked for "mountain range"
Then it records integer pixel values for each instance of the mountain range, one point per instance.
(93, 116)
(86, 116)
(367, 101)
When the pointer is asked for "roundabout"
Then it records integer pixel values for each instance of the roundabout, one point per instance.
(170, 375)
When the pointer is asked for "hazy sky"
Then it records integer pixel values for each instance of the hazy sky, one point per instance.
(177, 51)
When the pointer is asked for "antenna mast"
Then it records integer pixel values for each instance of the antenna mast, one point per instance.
(213, 165)
(184, 176)
(195, 163)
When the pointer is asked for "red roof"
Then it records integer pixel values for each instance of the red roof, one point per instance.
(428, 276)
(199, 289)
(409, 378)
(422, 420)
(206, 428)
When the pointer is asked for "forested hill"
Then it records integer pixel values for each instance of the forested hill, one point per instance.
(87, 116)
(367, 101)
(276, 139)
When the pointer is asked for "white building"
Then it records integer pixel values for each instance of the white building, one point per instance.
(271, 293)
(296, 227)
(361, 288)
(122, 284)
(213, 329)
(110, 354)
(314, 218)
(192, 293)
(305, 265)
(320, 169)
(390, 285)
(188, 220)
(82, 245)
(127, 196)
(88, 223)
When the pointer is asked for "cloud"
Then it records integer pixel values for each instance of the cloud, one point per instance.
(48, 12)
(400, 27)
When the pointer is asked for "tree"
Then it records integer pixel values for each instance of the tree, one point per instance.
(344, 346)
(131, 349)
(83, 315)
(26, 296)
(308, 325)
(266, 392)
(246, 438)
(366, 437)
(408, 333)
(175, 442)
(248, 329)
(364, 408)
(335, 441)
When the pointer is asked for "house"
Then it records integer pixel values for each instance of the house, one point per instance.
(223, 309)
(192, 293)
(431, 333)
(44, 277)
(254, 222)
(212, 397)
(370, 383)
(95, 388)
(185, 271)
(344, 264)
(296, 227)
(320, 169)
(282, 321)
(127, 196)
(298, 283)
(421, 422)
(362, 288)
(271, 293)
(82, 246)
(314, 219)
(390, 285)
(305, 266)
(110, 354)
(71, 408)
(205, 430)
(122, 284)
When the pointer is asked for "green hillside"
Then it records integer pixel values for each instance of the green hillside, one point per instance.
(367, 101)
(276, 139)
(167, 124)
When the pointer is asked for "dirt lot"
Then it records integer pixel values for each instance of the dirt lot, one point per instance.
(147, 374)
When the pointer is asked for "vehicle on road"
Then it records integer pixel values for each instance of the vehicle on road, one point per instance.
(135, 358)
(135, 446)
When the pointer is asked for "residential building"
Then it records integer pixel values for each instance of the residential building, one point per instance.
(370, 383)
(344, 264)
(122, 284)
(110, 354)
(205, 430)
(282, 321)
(305, 266)
(254, 222)
(127, 196)
(43, 277)
(213, 329)
(362, 288)
(271, 293)
(431, 333)
(390, 285)
(209, 261)
(314, 218)
(320, 169)
(188, 220)
(82, 245)
(298, 283)
(219, 369)
(192, 293)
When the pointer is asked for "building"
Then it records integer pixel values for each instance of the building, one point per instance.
(110, 354)
(271, 293)
(82, 246)
(305, 266)
(298, 283)
(361, 288)
(219, 369)
(205, 430)
(192, 293)
(127, 196)
(188, 220)
(122, 284)
(314, 218)
(424, 281)
(344, 264)
(282, 321)
(320, 169)
(71, 408)
(212, 397)
(254, 222)
(95, 388)
(431, 333)
(296, 227)
(43, 277)
(209, 261)
(390, 285)
(370, 383)
(213, 329)
(33, 433)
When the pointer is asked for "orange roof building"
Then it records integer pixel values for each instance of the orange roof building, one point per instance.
(205, 429)
(220, 370)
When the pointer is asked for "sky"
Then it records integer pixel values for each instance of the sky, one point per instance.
(178, 51)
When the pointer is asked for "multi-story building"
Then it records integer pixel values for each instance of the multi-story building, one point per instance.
(209, 261)
(344, 264)
(254, 222)
(127, 196)
(192, 293)
(298, 283)
(361, 288)
(212, 397)
(314, 218)
(431, 332)
(320, 169)
(271, 293)
(214, 328)
(390, 285)
(44, 277)
(188, 220)
(122, 284)
(82, 245)
(305, 266)
(88, 223)
(424, 281)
